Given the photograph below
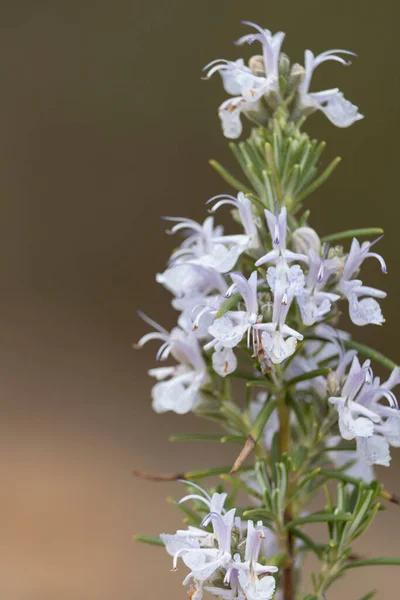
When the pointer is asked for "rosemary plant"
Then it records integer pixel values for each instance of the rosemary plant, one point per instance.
(262, 307)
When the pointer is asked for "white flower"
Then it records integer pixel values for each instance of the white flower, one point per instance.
(314, 302)
(374, 450)
(354, 419)
(228, 330)
(179, 387)
(358, 253)
(331, 102)
(364, 418)
(214, 503)
(360, 469)
(286, 283)
(246, 87)
(238, 80)
(224, 361)
(244, 207)
(206, 246)
(204, 562)
(271, 47)
(185, 279)
(230, 111)
(243, 577)
(197, 312)
(277, 225)
(367, 310)
(305, 239)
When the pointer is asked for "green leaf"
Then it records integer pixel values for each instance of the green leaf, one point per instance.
(318, 518)
(235, 183)
(343, 448)
(192, 475)
(370, 353)
(304, 481)
(320, 180)
(228, 304)
(243, 375)
(189, 437)
(262, 383)
(298, 412)
(232, 439)
(261, 513)
(311, 545)
(262, 418)
(147, 539)
(310, 375)
(340, 476)
(373, 562)
(350, 233)
(369, 595)
(272, 164)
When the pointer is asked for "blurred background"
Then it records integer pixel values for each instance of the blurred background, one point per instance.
(105, 126)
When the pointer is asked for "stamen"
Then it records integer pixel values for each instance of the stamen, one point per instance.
(276, 230)
(321, 270)
(378, 239)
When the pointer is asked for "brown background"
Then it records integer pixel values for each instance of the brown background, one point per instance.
(105, 126)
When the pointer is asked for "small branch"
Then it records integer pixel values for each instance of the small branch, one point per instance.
(247, 449)
(386, 495)
(150, 477)
(188, 475)
(288, 571)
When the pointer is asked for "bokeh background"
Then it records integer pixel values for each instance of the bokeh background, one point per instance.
(105, 125)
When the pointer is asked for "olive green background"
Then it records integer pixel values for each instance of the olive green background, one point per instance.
(105, 125)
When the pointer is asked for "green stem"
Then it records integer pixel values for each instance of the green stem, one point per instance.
(288, 538)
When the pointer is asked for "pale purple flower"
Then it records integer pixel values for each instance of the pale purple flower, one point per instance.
(359, 468)
(314, 302)
(184, 279)
(238, 80)
(247, 88)
(375, 426)
(363, 308)
(179, 386)
(332, 103)
(205, 245)
(286, 282)
(228, 330)
(271, 48)
(277, 225)
(305, 240)
(243, 577)
(244, 208)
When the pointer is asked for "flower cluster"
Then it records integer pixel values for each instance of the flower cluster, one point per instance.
(268, 82)
(295, 284)
(223, 561)
(261, 304)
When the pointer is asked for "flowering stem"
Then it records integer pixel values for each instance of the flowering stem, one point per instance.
(288, 571)
(284, 442)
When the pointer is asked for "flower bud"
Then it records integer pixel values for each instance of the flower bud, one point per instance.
(305, 239)
(284, 65)
(332, 384)
(256, 65)
(296, 76)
